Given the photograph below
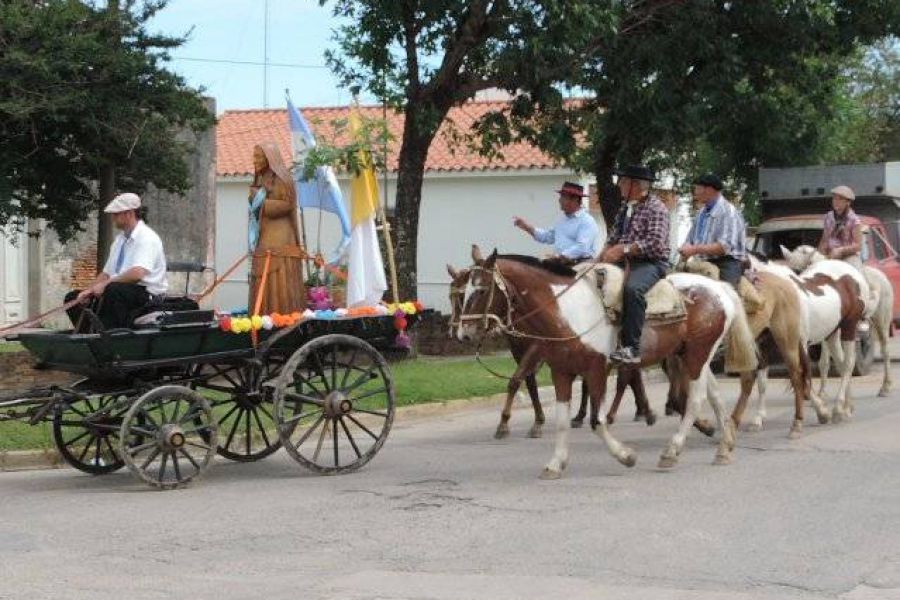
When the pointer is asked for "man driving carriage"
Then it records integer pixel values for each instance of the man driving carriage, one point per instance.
(640, 240)
(134, 274)
(575, 236)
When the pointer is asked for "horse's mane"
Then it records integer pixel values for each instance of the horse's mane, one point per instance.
(555, 268)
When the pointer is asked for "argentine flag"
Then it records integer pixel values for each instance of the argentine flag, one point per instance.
(322, 191)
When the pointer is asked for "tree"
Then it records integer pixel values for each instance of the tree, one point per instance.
(425, 56)
(87, 106)
(720, 85)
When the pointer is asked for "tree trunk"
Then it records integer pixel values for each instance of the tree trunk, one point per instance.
(413, 155)
(104, 222)
(604, 165)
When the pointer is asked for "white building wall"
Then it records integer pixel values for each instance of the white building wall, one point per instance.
(458, 210)
(13, 277)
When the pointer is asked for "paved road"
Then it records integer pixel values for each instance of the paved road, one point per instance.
(447, 513)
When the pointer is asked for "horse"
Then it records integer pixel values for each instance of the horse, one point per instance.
(835, 294)
(879, 312)
(528, 361)
(774, 325)
(568, 313)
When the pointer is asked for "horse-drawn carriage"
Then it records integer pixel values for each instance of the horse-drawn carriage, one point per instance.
(165, 399)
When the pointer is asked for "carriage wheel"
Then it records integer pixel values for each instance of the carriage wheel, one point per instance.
(334, 404)
(86, 433)
(168, 436)
(242, 406)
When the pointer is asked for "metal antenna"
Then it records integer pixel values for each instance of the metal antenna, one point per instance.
(266, 54)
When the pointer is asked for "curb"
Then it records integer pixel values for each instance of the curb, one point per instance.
(34, 460)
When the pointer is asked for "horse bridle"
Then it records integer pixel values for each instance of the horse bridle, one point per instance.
(497, 283)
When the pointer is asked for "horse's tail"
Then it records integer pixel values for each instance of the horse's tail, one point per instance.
(740, 346)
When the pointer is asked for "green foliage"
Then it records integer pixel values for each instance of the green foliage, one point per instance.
(346, 151)
(82, 88)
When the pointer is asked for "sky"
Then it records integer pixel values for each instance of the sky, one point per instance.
(233, 30)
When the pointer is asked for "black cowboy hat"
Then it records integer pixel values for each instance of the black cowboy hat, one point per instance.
(636, 172)
(572, 189)
(709, 180)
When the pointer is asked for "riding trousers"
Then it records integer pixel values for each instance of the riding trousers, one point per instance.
(730, 269)
(642, 276)
(115, 307)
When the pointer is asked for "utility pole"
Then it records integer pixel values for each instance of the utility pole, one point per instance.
(107, 176)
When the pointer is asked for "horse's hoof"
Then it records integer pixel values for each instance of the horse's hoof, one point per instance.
(837, 416)
(722, 459)
(610, 419)
(651, 419)
(549, 474)
(576, 423)
(667, 461)
(627, 458)
(706, 429)
(501, 433)
(637, 417)
(756, 425)
(883, 392)
(796, 431)
(824, 418)
(535, 432)
(669, 410)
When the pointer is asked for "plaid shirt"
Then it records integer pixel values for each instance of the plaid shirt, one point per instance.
(648, 228)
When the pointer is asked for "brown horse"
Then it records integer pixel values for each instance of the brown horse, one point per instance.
(568, 314)
(528, 360)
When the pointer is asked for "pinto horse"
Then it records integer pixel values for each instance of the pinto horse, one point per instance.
(835, 294)
(879, 311)
(567, 313)
(527, 356)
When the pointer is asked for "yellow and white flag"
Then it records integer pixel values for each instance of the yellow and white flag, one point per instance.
(366, 282)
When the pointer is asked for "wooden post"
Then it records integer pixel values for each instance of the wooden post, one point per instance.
(389, 244)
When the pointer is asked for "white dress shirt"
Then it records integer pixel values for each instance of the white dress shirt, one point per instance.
(143, 248)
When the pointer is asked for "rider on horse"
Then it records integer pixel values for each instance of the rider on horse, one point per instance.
(718, 234)
(575, 235)
(842, 231)
(640, 238)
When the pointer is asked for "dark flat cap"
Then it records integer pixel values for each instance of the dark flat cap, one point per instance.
(636, 172)
(710, 180)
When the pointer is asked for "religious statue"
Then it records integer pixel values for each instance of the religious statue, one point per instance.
(274, 236)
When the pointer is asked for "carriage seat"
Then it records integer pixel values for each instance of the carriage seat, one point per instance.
(171, 311)
(664, 303)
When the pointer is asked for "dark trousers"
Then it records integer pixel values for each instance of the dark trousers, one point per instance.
(115, 307)
(730, 269)
(642, 276)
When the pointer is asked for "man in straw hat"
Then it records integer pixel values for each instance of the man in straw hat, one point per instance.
(134, 274)
(842, 230)
(640, 238)
(575, 235)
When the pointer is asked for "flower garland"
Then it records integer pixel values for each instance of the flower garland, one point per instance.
(241, 322)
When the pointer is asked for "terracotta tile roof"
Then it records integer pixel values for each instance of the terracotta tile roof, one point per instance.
(239, 130)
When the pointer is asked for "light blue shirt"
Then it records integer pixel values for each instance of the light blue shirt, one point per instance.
(573, 236)
(720, 222)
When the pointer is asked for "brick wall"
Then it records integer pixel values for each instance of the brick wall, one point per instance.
(84, 268)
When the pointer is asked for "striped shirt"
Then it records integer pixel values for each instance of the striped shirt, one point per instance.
(647, 227)
(720, 222)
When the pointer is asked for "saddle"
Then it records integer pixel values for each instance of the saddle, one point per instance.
(750, 296)
(665, 304)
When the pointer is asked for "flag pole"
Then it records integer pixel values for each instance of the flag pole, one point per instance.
(382, 215)
(287, 95)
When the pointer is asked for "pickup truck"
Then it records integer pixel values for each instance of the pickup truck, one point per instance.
(877, 252)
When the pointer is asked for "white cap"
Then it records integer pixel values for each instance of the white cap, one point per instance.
(844, 191)
(123, 202)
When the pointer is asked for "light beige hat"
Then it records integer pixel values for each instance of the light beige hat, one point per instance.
(846, 192)
(123, 202)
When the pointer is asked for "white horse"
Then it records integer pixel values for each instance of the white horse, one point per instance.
(879, 312)
(837, 299)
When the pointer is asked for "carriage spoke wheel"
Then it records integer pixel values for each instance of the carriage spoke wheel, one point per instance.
(168, 436)
(242, 405)
(334, 404)
(86, 433)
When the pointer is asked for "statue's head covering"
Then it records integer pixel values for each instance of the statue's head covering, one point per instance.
(276, 163)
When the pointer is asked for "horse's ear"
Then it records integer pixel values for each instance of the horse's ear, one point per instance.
(454, 274)
(492, 258)
(785, 252)
(477, 258)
